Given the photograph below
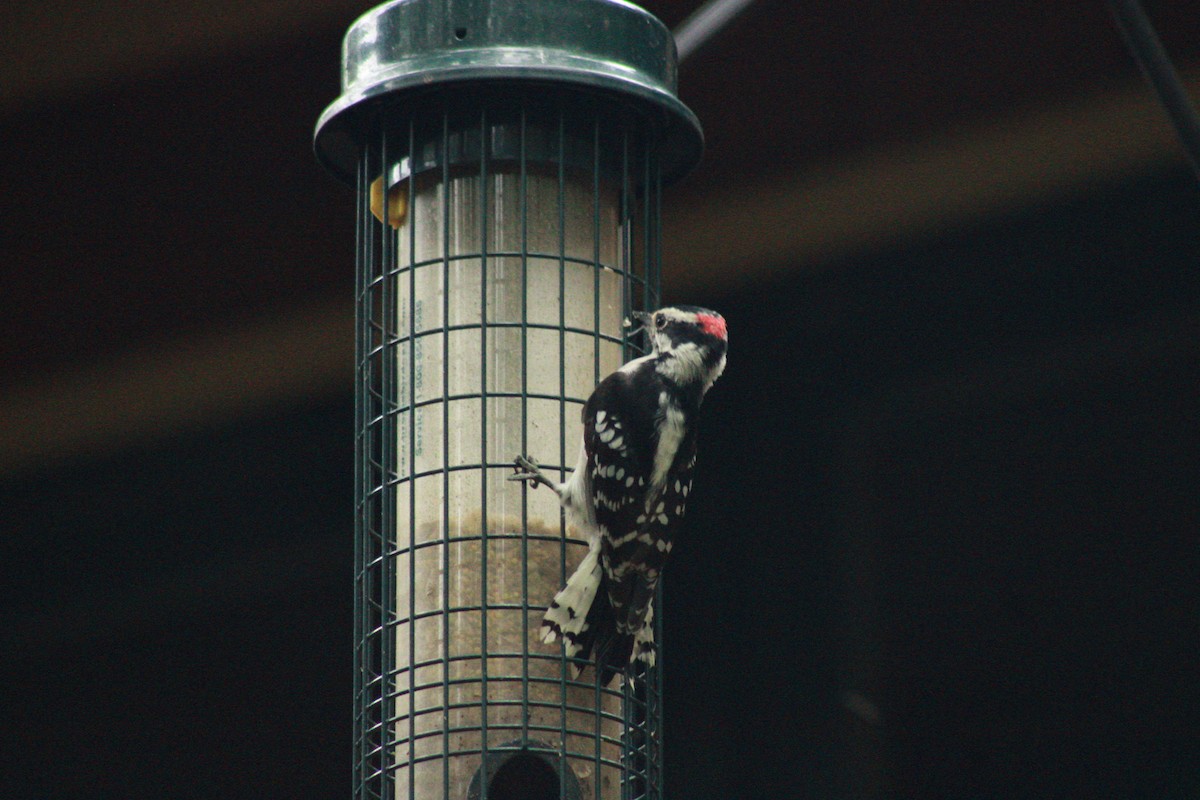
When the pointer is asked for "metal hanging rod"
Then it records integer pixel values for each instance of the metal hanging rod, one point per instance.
(1147, 50)
(704, 23)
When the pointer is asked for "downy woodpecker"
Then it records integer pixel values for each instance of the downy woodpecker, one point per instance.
(630, 487)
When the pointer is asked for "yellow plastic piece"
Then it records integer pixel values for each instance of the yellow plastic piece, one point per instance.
(397, 203)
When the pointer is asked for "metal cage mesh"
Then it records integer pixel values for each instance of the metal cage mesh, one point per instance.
(499, 251)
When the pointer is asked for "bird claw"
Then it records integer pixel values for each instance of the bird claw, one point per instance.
(527, 470)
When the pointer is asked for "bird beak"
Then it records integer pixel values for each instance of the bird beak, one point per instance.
(639, 318)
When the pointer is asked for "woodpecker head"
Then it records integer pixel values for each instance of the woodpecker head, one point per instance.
(689, 343)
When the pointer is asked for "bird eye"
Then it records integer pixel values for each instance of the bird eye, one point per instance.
(660, 321)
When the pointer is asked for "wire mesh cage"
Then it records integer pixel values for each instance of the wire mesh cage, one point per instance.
(505, 231)
(490, 304)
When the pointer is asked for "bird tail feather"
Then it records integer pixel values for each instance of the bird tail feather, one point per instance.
(567, 617)
(586, 622)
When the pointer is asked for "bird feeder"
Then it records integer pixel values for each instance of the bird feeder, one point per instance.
(509, 157)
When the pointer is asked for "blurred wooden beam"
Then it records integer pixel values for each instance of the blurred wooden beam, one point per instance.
(63, 47)
(872, 200)
(883, 197)
(178, 386)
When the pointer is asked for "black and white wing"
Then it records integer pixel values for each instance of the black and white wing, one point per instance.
(637, 511)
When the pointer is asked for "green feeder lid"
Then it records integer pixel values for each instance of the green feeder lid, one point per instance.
(408, 47)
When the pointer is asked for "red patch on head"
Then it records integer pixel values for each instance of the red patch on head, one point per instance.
(712, 325)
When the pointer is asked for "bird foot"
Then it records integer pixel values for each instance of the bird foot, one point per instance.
(528, 470)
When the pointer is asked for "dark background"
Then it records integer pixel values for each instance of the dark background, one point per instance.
(944, 537)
